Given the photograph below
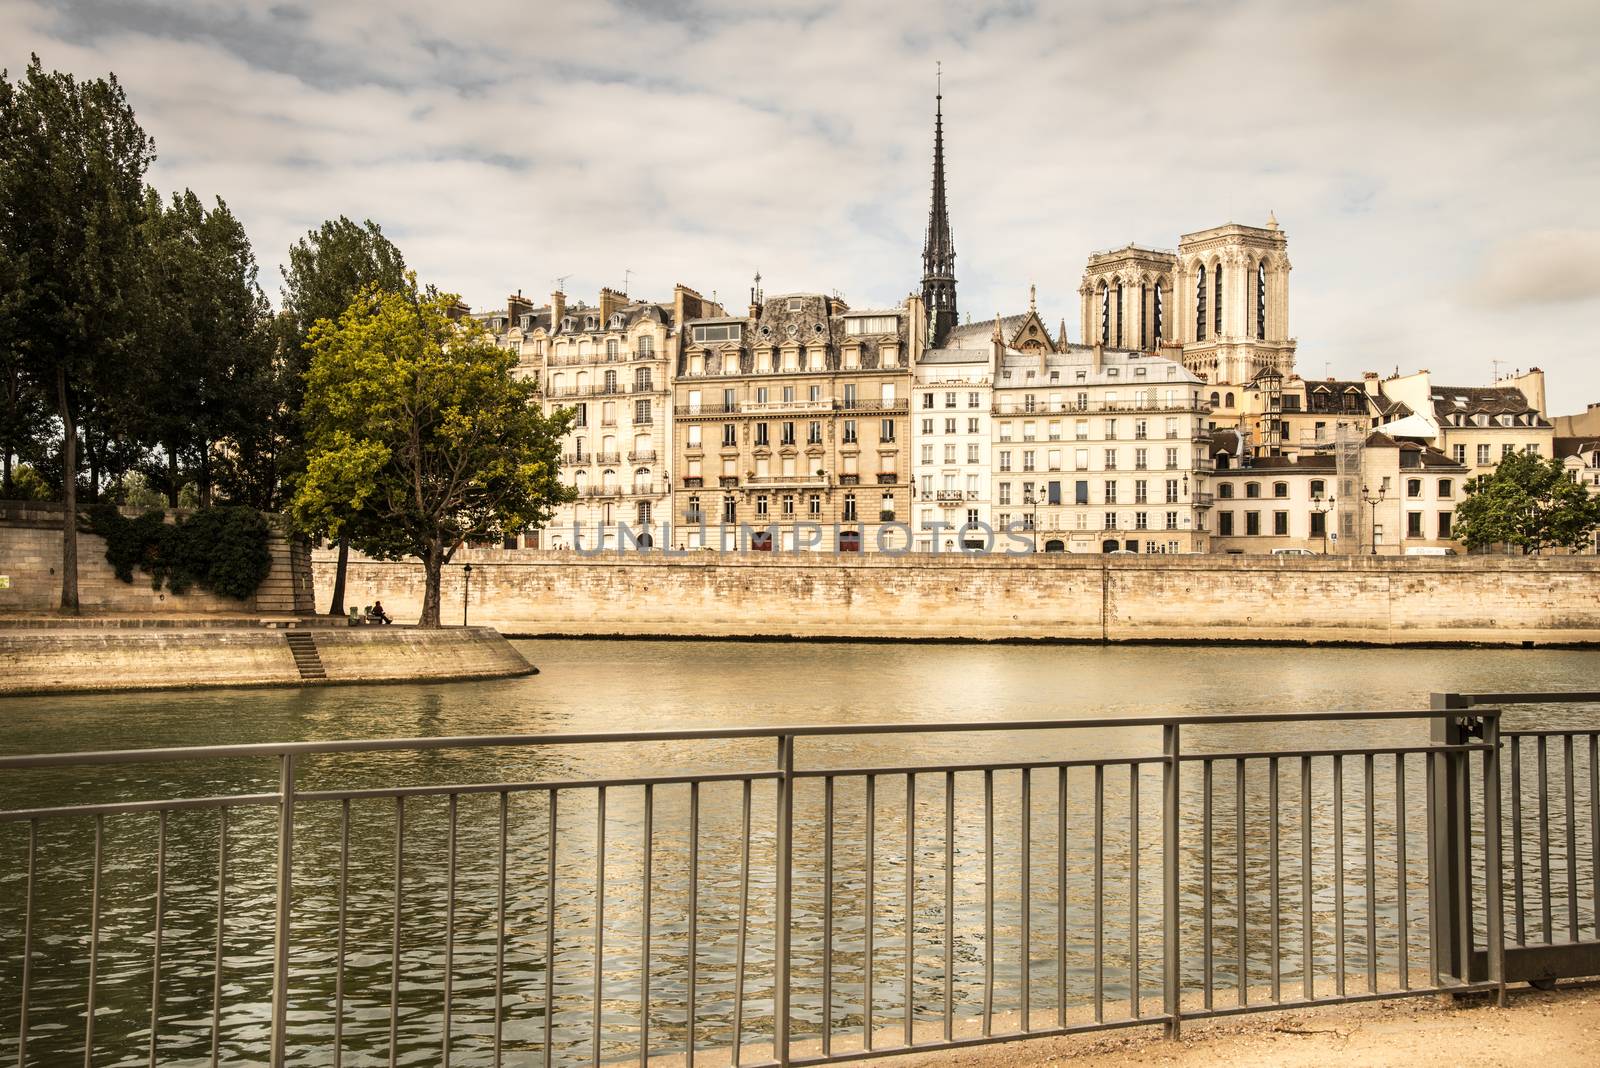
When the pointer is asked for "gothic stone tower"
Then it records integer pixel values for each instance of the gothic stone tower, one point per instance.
(1231, 302)
(939, 249)
(1127, 298)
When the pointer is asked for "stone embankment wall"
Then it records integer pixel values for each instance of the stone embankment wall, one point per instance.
(1382, 600)
(30, 557)
(62, 660)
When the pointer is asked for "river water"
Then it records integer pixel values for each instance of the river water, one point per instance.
(587, 686)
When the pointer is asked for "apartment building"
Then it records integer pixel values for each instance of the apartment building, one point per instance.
(610, 364)
(792, 421)
(1475, 426)
(951, 445)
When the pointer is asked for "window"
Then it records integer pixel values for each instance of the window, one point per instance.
(786, 434)
(886, 430)
(1533, 448)
(611, 382)
(1252, 489)
(641, 380)
(723, 332)
(1319, 524)
(871, 324)
(1280, 489)
(1444, 525)
(1413, 487)
(1027, 459)
(1225, 524)
(1216, 307)
(1172, 520)
(1261, 300)
(1111, 459)
(1507, 450)
(927, 454)
(850, 507)
(761, 505)
(927, 426)
(927, 400)
(729, 509)
(788, 504)
(1005, 459)
(1225, 491)
(814, 504)
(972, 400)
(849, 431)
(949, 400)
(693, 513)
(1413, 524)
(1005, 493)
(1172, 491)
(1111, 430)
(972, 454)
(1172, 459)
(1080, 492)
(794, 304)
(1280, 523)
(949, 454)
(1252, 523)
(1446, 488)
(1141, 521)
(1483, 455)
(1111, 492)
(641, 412)
(582, 418)
(1141, 491)
(1200, 305)
(693, 433)
(1111, 521)
(729, 435)
(761, 434)
(646, 346)
(1318, 489)
(886, 509)
(949, 426)
(1458, 453)
(814, 433)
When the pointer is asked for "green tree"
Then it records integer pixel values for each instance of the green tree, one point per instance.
(328, 268)
(207, 375)
(72, 165)
(1528, 503)
(419, 436)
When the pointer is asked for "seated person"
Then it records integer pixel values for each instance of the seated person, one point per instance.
(379, 614)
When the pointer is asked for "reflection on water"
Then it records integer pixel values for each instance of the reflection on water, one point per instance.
(589, 686)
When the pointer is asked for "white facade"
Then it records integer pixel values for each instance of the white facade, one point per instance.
(951, 406)
(1100, 450)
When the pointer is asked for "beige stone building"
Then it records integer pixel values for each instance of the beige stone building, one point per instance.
(793, 420)
(1397, 496)
(610, 363)
(1475, 426)
(1094, 449)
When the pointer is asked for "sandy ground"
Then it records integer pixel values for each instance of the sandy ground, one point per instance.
(1537, 1028)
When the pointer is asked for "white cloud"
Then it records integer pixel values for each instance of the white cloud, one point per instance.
(1433, 166)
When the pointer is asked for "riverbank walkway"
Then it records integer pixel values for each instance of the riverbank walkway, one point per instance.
(1552, 1029)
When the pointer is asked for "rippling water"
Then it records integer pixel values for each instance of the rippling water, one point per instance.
(590, 686)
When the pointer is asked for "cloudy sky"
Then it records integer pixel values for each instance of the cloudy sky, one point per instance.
(1435, 165)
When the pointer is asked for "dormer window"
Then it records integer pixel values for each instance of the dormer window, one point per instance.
(566, 325)
(616, 321)
(794, 304)
(590, 322)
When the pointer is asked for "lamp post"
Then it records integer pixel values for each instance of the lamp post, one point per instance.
(466, 588)
(1323, 506)
(1033, 521)
(1372, 503)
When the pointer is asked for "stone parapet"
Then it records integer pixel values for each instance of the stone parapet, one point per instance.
(1377, 600)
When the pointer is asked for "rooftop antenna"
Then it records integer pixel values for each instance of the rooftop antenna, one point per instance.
(1494, 370)
(561, 282)
(627, 275)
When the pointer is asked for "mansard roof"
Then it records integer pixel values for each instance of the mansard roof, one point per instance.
(1455, 405)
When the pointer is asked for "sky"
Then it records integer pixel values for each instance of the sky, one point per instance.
(1434, 165)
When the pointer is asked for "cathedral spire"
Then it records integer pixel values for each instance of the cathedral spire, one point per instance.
(939, 249)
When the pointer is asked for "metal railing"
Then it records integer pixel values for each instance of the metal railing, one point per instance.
(1113, 873)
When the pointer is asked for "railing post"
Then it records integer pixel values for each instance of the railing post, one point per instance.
(785, 864)
(1450, 939)
(1169, 878)
(285, 891)
(1493, 875)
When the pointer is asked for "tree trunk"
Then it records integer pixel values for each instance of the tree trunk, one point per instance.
(92, 454)
(433, 564)
(69, 499)
(336, 606)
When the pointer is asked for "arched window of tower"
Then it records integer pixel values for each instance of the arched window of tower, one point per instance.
(1261, 300)
(1216, 283)
(1200, 304)
(1105, 314)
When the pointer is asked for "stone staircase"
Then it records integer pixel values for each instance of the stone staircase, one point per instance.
(303, 646)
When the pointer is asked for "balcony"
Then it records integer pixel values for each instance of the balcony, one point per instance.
(888, 478)
(849, 480)
(762, 481)
(646, 457)
(821, 404)
(693, 516)
(951, 496)
(603, 458)
(1178, 405)
(728, 481)
(874, 406)
(1202, 500)
(693, 482)
(695, 410)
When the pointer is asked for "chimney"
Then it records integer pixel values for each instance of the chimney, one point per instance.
(610, 301)
(517, 306)
(558, 309)
(1099, 358)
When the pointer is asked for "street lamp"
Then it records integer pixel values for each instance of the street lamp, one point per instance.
(1372, 503)
(1033, 520)
(1322, 506)
(466, 587)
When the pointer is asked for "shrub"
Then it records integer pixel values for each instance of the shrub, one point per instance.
(223, 550)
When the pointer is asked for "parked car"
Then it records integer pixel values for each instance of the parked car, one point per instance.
(1430, 550)
(1293, 552)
